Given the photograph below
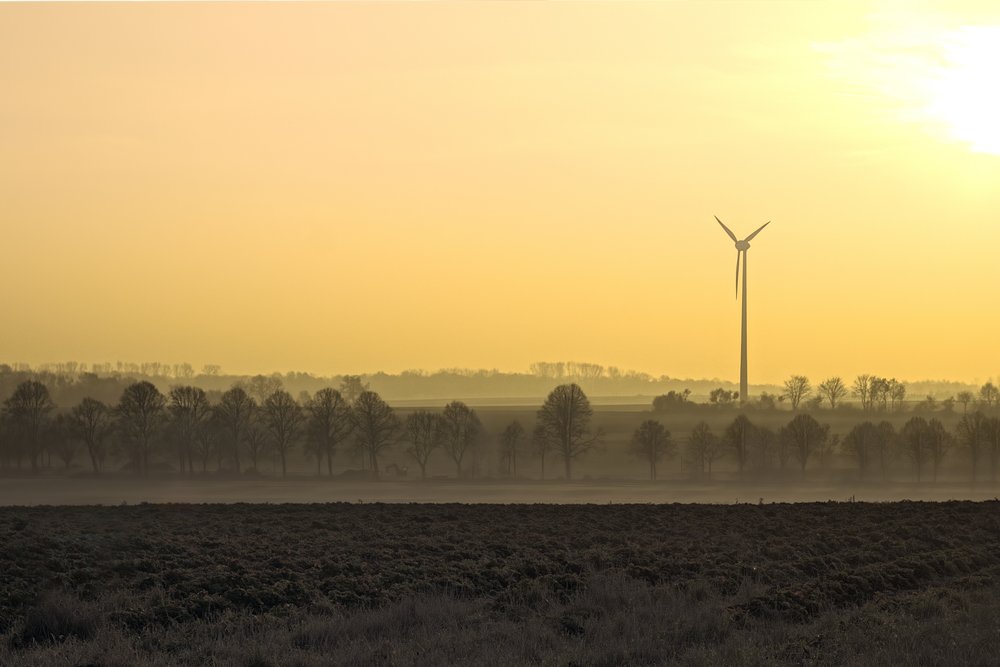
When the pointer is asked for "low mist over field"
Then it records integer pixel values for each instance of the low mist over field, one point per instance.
(76, 434)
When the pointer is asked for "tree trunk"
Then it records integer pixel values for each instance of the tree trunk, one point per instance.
(284, 471)
(93, 461)
(567, 468)
(329, 461)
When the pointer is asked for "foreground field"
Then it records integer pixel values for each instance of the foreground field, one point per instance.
(829, 583)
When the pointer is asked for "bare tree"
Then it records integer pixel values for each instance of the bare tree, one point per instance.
(989, 394)
(283, 418)
(510, 446)
(807, 436)
(739, 441)
(329, 422)
(141, 417)
(880, 390)
(914, 438)
(827, 450)
(257, 440)
(425, 431)
(541, 445)
(786, 450)
(862, 389)
(765, 446)
(704, 448)
(859, 446)
(833, 390)
(939, 443)
(462, 432)
(184, 371)
(973, 438)
(313, 450)
(375, 426)
(189, 410)
(797, 389)
(63, 439)
(886, 446)
(262, 387)
(208, 440)
(897, 394)
(351, 387)
(651, 442)
(964, 397)
(235, 410)
(564, 420)
(94, 422)
(29, 407)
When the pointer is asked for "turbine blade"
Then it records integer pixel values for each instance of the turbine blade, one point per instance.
(731, 235)
(737, 274)
(758, 231)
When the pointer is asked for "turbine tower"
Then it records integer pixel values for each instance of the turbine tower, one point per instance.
(741, 248)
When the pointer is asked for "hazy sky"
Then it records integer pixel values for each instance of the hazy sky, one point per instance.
(353, 187)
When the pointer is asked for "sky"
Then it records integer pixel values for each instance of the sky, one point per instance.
(342, 188)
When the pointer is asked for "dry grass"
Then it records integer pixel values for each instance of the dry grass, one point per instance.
(615, 620)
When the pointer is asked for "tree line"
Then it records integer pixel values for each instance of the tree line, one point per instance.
(872, 448)
(253, 421)
(874, 394)
(258, 420)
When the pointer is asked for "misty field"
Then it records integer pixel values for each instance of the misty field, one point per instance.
(378, 584)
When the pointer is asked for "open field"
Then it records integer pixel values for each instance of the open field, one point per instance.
(366, 584)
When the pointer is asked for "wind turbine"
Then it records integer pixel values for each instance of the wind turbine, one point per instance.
(741, 248)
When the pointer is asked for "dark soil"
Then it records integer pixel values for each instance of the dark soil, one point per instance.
(790, 562)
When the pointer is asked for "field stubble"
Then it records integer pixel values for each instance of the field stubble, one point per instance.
(363, 584)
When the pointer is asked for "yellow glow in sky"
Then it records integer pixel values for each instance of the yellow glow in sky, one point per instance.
(353, 187)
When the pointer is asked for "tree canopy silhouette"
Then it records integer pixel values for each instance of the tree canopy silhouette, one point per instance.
(564, 422)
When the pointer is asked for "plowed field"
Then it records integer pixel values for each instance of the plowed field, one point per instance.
(787, 561)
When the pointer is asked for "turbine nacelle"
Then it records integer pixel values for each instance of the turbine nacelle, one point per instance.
(741, 246)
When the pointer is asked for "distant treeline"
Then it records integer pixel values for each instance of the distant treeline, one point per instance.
(70, 382)
(871, 392)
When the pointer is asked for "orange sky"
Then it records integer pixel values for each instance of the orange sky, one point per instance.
(353, 187)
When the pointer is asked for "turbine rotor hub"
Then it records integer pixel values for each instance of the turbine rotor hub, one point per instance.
(742, 245)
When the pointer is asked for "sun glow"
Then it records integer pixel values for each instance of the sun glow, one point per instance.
(946, 80)
(965, 93)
